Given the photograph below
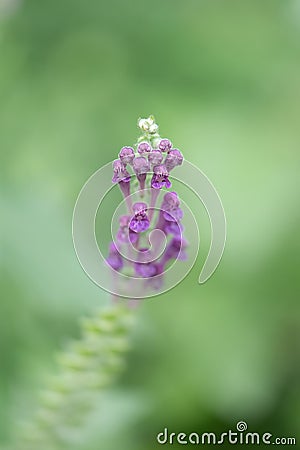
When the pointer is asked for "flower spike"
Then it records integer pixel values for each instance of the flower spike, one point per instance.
(157, 157)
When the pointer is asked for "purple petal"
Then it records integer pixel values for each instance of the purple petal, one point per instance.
(168, 183)
(160, 177)
(144, 147)
(139, 225)
(173, 215)
(155, 157)
(140, 165)
(114, 258)
(126, 155)
(159, 181)
(175, 249)
(139, 207)
(115, 262)
(171, 200)
(133, 237)
(156, 183)
(165, 145)
(124, 221)
(174, 158)
(145, 270)
(173, 228)
(120, 172)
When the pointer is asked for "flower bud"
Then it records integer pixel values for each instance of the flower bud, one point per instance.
(140, 165)
(144, 147)
(174, 158)
(155, 157)
(165, 145)
(148, 125)
(126, 155)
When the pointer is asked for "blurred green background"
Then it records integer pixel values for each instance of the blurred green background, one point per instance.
(223, 80)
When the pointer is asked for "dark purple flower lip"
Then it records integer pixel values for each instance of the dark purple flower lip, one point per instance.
(140, 221)
(160, 177)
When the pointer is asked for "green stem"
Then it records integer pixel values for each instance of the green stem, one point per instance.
(89, 366)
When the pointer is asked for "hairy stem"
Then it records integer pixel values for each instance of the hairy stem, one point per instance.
(89, 366)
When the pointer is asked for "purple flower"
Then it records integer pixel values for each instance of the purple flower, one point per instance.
(156, 281)
(170, 201)
(175, 215)
(141, 166)
(126, 155)
(175, 249)
(114, 258)
(144, 147)
(124, 221)
(165, 145)
(124, 234)
(174, 158)
(160, 177)
(140, 221)
(145, 270)
(155, 157)
(170, 207)
(120, 172)
(170, 215)
(173, 228)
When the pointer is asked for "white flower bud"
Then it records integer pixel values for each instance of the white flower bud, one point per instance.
(143, 124)
(148, 125)
(151, 120)
(153, 128)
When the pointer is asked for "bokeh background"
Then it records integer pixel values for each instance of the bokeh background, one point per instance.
(223, 80)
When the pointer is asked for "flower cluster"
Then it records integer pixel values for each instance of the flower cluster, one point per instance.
(150, 163)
